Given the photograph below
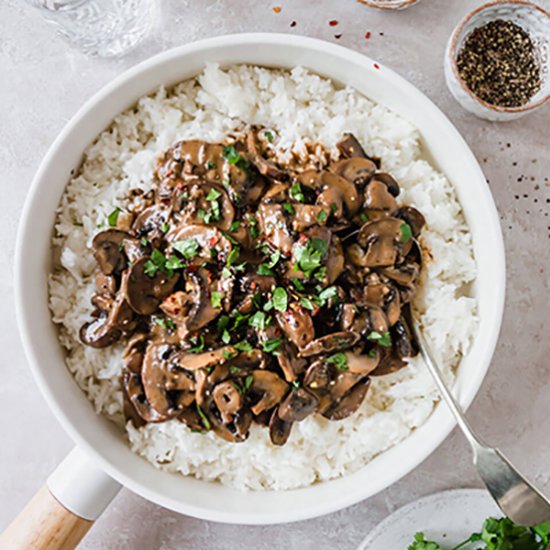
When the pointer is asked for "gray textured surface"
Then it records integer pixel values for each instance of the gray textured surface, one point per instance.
(43, 82)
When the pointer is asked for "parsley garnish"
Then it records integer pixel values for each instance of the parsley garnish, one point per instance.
(406, 232)
(269, 136)
(230, 154)
(155, 262)
(327, 294)
(164, 227)
(307, 303)
(243, 346)
(248, 382)
(254, 231)
(198, 344)
(297, 283)
(280, 299)
(270, 346)
(233, 369)
(144, 241)
(165, 323)
(204, 418)
(259, 320)
(216, 299)
(234, 226)
(296, 192)
(383, 339)
(263, 269)
(339, 360)
(173, 263)
(289, 208)
(322, 216)
(233, 256)
(112, 218)
(363, 217)
(188, 248)
(226, 337)
(310, 257)
(210, 165)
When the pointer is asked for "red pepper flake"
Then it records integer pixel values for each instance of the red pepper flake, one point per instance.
(367, 35)
(376, 66)
(213, 241)
(337, 36)
(277, 9)
(333, 22)
(293, 23)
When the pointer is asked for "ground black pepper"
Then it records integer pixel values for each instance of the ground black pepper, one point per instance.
(499, 63)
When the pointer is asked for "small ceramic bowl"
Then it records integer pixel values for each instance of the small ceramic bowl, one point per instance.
(534, 20)
(389, 4)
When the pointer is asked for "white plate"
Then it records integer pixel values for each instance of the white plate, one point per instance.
(447, 518)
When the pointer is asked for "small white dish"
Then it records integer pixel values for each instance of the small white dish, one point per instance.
(389, 4)
(534, 20)
(448, 517)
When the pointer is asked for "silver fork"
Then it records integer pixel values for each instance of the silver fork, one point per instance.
(518, 499)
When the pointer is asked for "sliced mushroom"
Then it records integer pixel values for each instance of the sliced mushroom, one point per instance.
(134, 352)
(228, 399)
(358, 170)
(198, 286)
(106, 284)
(107, 250)
(306, 215)
(413, 217)
(363, 364)
(336, 341)
(297, 324)
(402, 340)
(144, 293)
(379, 202)
(347, 316)
(350, 148)
(297, 405)
(149, 223)
(279, 430)
(349, 403)
(236, 431)
(389, 182)
(270, 387)
(265, 167)
(194, 361)
(383, 242)
(273, 225)
(136, 395)
(318, 376)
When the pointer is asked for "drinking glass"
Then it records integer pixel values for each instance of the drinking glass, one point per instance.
(106, 28)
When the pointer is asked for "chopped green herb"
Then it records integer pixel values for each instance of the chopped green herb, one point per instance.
(230, 355)
(372, 353)
(222, 323)
(274, 259)
(210, 165)
(297, 283)
(204, 418)
(155, 262)
(269, 136)
(328, 293)
(198, 344)
(112, 218)
(258, 320)
(383, 339)
(226, 337)
(339, 360)
(270, 346)
(216, 299)
(280, 299)
(296, 384)
(164, 227)
(296, 192)
(363, 217)
(289, 208)
(233, 256)
(268, 306)
(307, 303)
(173, 262)
(248, 382)
(165, 323)
(239, 319)
(243, 346)
(263, 269)
(213, 194)
(230, 154)
(420, 543)
(406, 232)
(234, 226)
(144, 241)
(310, 257)
(233, 369)
(333, 207)
(322, 216)
(226, 272)
(254, 231)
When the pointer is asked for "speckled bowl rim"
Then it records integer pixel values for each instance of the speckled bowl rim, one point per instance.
(453, 55)
(402, 4)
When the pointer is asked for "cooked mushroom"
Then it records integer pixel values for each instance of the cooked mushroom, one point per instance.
(413, 217)
(279, 430)
(136, 395)
(202, 311)
(384, 243)
(194, 361)
(264, 166)
(107, 247)
(297, 324)
(331, 342)
(363, 363)
(206, 238)
(358, 170)
(351, 148)
(145, 293)
(273, 225)
(149, 223)
(270, 387)
(297, 405)
(349, 403)
(379, 202)
(389, 182)
(106, 284)
(228, 399)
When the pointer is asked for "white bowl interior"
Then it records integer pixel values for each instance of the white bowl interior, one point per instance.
(98, 436)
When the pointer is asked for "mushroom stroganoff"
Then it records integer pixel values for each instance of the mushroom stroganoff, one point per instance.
(251, 293)
(231, 265)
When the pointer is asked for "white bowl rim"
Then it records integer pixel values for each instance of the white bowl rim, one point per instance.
(29, 329)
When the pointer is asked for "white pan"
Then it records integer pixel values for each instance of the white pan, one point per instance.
(92, 474)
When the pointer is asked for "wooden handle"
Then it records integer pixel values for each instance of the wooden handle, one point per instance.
(44, 524)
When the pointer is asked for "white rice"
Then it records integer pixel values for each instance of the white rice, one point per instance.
(301, 108)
